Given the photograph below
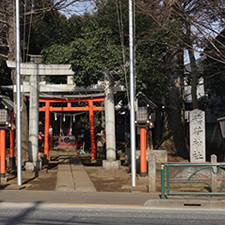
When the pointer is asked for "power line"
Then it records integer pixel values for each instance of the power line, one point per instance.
(121, 32)
(28, 39)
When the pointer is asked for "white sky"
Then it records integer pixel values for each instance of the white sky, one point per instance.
(79, 8)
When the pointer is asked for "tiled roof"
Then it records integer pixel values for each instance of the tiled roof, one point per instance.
(5, 100)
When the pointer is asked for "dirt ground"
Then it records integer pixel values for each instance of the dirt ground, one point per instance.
(103, 181)
(119, 181)
(45, 180)
(113, 181)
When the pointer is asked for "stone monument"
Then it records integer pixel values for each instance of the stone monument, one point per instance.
(197, 136)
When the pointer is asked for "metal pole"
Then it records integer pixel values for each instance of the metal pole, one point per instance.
(18, 121)
(162, 182)
(132, 118)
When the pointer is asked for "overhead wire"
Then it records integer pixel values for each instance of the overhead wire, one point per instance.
(121, 33)
(29, 32)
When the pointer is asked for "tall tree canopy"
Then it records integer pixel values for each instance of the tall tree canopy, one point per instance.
(98, 43)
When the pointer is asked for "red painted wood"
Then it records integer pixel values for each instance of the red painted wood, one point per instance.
(12, 140)
(2, 151)
(92, 130)
(47, 120)
(143, 151)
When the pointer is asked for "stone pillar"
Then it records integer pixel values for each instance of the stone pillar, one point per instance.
(197, 136)
(110, 163)
(214, 173)
(110, 120)
(34, 116)
(152, 173)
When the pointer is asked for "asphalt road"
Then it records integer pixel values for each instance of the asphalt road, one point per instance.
(39, 213)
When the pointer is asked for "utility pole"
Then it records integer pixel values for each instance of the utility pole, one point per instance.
(18, 120)
(132, 115)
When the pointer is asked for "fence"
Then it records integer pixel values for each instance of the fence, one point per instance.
(214, 168)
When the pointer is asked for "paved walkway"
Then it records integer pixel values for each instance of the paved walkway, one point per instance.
(71, 175)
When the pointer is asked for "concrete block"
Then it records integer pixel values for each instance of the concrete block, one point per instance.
(160, 203)
(179, 203)
(215, 204)
(111, 165)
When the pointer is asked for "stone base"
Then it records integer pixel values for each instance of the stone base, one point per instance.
(12, 162)
(111, 165)
(33, 166)
(143, 174)
(2, 175)
(3, 180)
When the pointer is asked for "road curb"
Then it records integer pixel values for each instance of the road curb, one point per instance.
(185, 203)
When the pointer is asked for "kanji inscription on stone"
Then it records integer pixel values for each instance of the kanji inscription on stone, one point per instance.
(197, 136)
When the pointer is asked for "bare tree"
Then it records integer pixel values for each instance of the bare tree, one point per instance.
(194, 25)
(201, 22)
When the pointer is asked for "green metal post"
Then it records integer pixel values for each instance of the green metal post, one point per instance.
(162, 182)
(167, 180)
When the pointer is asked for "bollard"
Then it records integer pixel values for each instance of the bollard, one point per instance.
(152, 173)
(214, 173)
(162, 182)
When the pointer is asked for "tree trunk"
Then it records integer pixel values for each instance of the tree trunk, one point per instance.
(176, 125)
(194, 71)
(194, 79)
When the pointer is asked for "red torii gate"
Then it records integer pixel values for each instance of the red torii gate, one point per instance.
(47, 108)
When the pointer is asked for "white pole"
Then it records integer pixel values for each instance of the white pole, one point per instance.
(18, 121)
(132, 118)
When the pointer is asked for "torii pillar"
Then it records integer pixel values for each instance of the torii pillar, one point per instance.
(110, 163)
(34, 118)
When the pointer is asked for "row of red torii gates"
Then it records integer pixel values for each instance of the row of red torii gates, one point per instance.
(47, 108)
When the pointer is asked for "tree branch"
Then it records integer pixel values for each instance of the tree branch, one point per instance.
(3, 55)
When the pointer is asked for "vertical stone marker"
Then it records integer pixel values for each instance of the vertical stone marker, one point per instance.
(197, 136)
